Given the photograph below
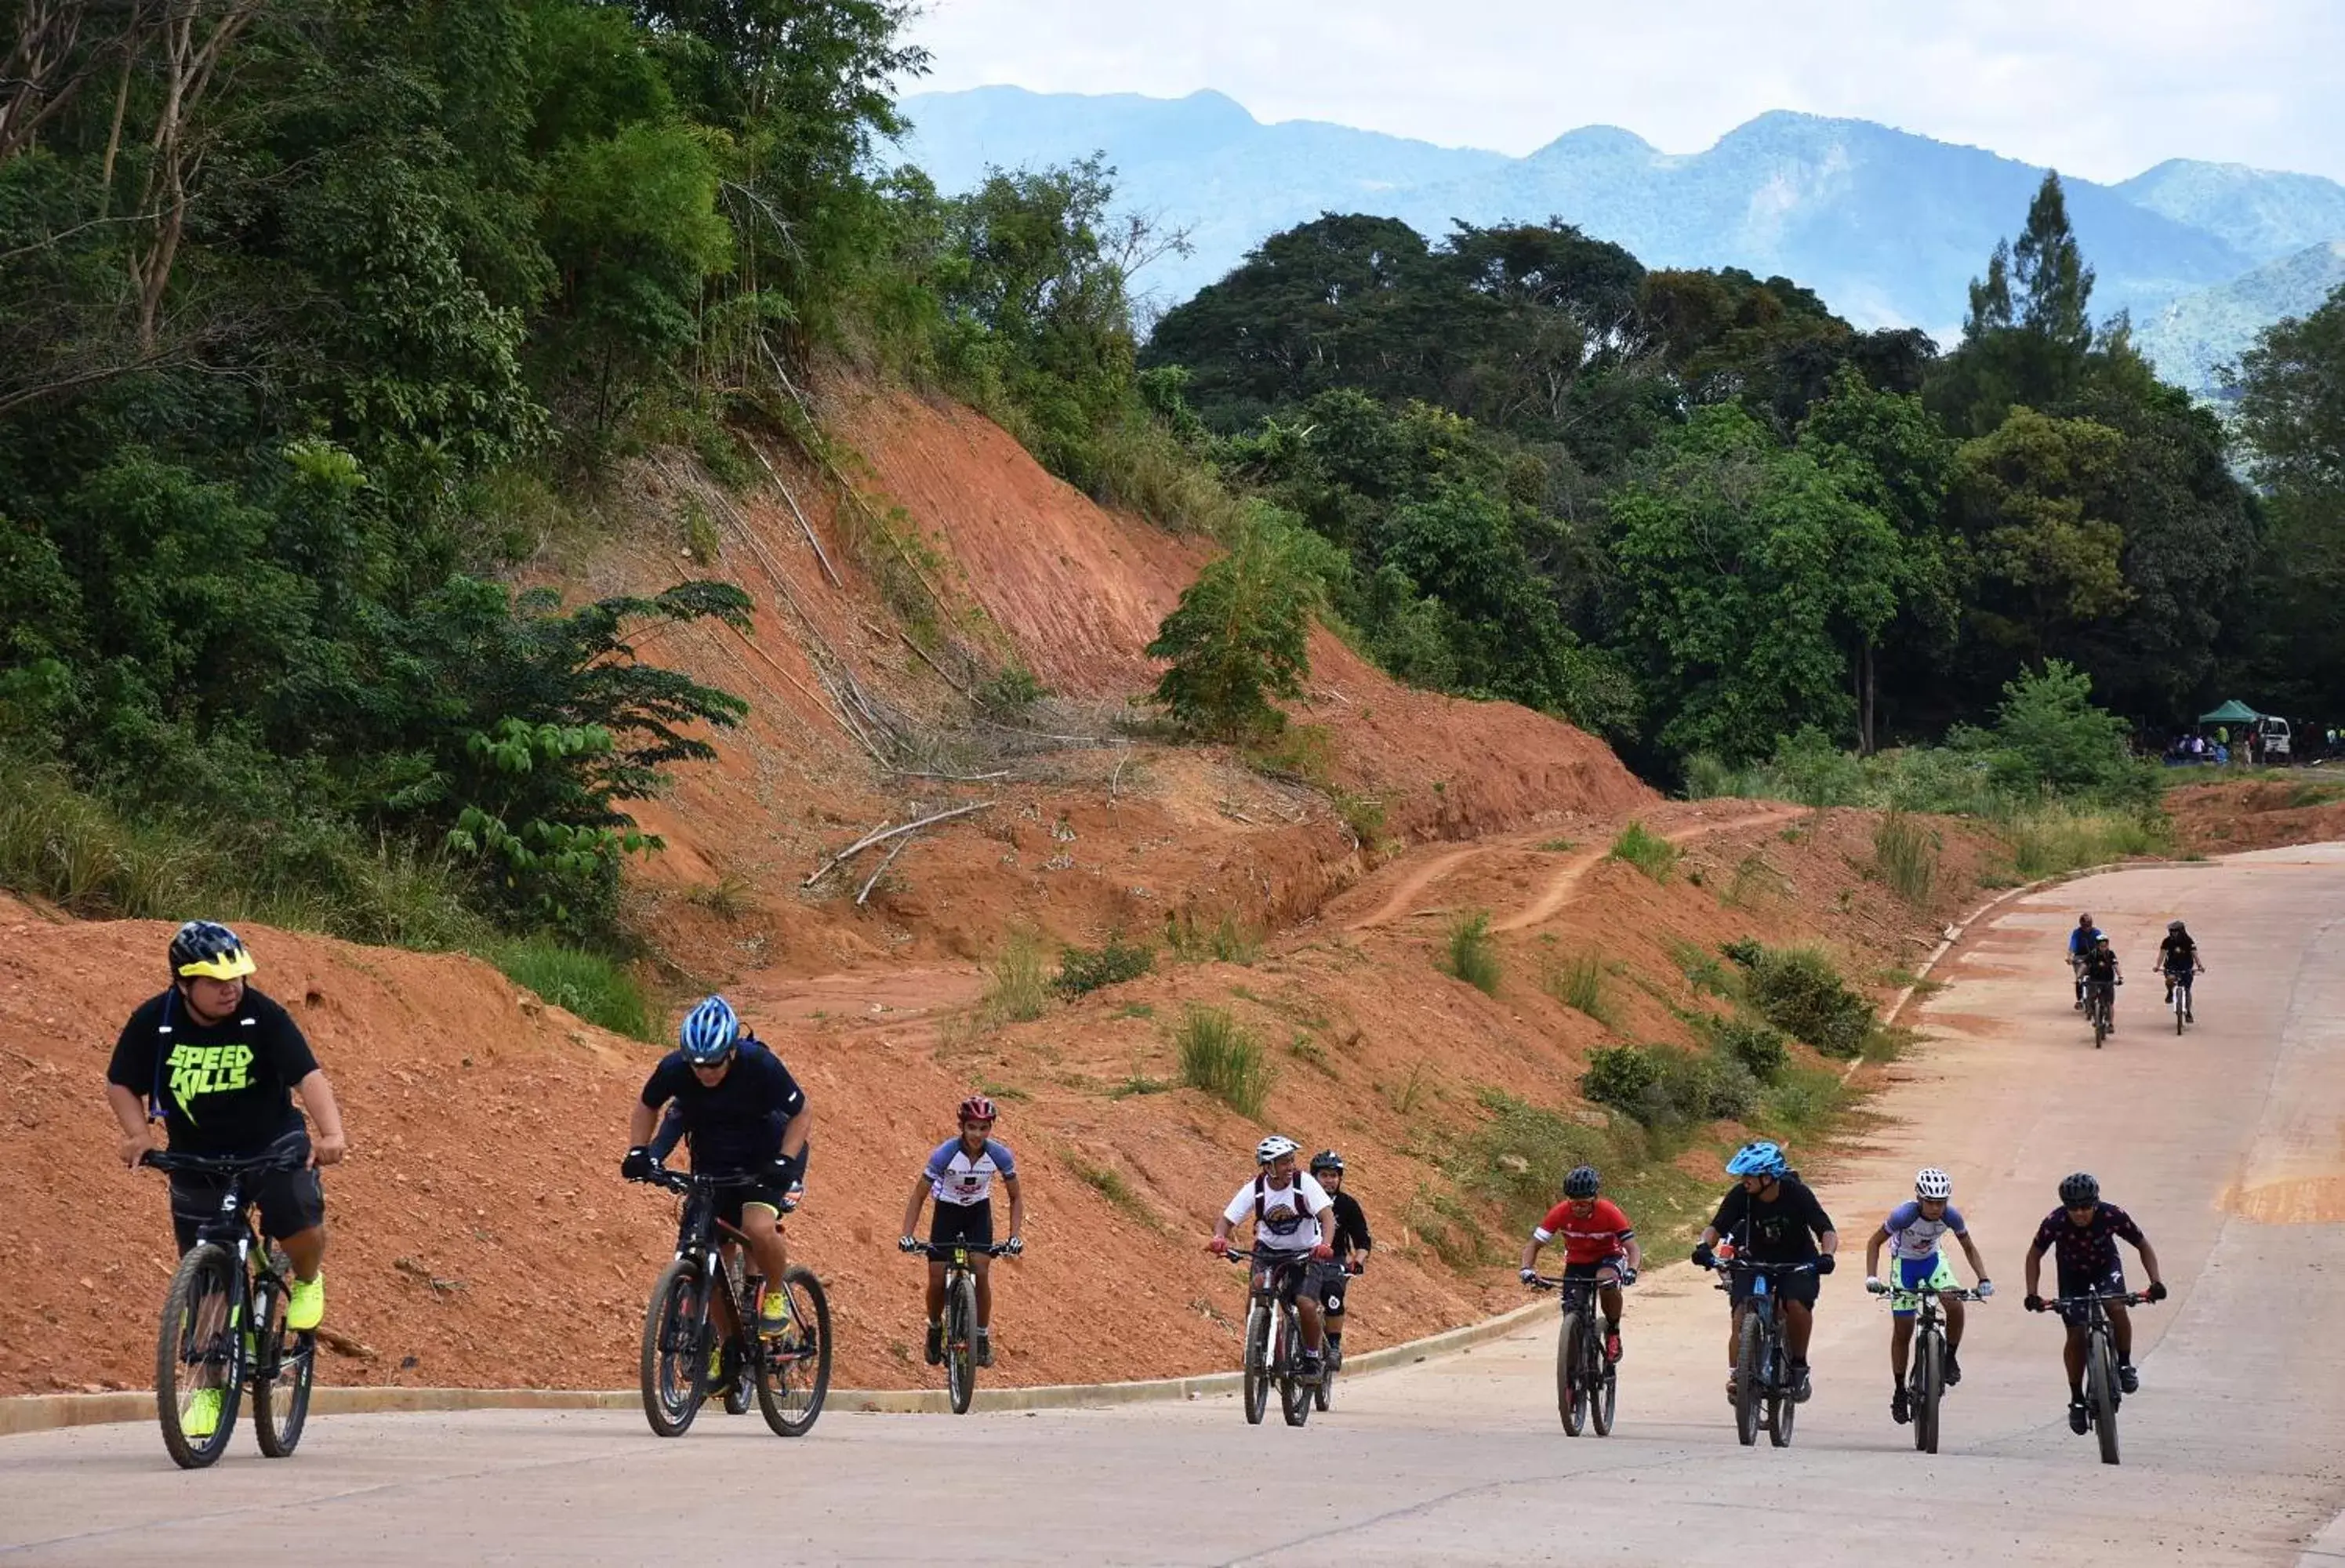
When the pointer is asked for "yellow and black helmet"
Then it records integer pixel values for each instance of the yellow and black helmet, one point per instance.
(206, 948)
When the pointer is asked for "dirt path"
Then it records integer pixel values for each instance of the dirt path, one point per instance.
(1567, 876)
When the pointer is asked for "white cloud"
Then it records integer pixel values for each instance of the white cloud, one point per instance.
(2102, 88)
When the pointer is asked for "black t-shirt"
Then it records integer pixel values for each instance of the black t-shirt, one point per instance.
(2101, 964)
(1351, 1226)
(2177, 952)
(737, 1125)
(224, 1089)
(1782, 1231)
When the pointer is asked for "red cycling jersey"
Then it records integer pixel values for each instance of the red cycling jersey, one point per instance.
(1602, 1232)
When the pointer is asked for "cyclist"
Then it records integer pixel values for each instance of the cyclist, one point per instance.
(2085, 1231)
(2102, 974)
(1599, 1244)
(1772, 1216)
(745, 1114)
(1914, 1228)
(2178, 958)
(959, 1174)
(219, 1066)
(1352, 1243)
(1292, 1221)
(2080, 942)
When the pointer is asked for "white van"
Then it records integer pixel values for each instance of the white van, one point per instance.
(2273, 734)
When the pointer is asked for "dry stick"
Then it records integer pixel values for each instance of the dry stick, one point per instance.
(884, 864)
(844, 722)
(868, 839)
(932, 665)
(802, 523)
(957, 778)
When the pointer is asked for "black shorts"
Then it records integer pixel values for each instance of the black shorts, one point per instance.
(1802, 1288)
(732, 1199)
(962, 1225)
(2112, 1283)
(1295, 1272)
(1329, 1281)
(1599, 1269)
(290, 1201)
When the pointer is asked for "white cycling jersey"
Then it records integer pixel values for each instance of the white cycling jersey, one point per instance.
(1285, 1218)
(1912, 1234)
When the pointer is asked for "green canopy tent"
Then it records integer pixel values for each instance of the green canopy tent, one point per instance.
(2234, 712)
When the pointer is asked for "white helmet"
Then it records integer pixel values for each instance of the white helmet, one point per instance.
(1933, 1183)
(1273, 1148)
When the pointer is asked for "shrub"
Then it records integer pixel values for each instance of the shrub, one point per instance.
(1011, 692)
(2056, 838)
(1645, 850)
(1473, 953)
(1220, 1057)
(1759, 1047)
(1239, 636)
(1228, 941)
(587, 983)
(1743, 951)
(1577, 982)
(1618, 1075)
(1702, 971)
(1906, 855)
(1519, 1156)
(1799, 991)
(1082, 970)
(1015, 991)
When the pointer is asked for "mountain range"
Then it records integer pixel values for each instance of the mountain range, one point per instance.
(1887, 226)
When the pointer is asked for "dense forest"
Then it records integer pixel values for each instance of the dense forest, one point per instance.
(318, 316)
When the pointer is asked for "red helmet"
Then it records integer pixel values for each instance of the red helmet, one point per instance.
(977, 1107)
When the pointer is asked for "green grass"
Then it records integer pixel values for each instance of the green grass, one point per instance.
(1472, 955)
(1645, 850)
(1799, 991)
(1015, 990)
(1802, 1104)
(1558, 846)
(1704, 972)
(1578, 981)
(1110, 1184)
(1219, 1056)
(1517, 1157)
(1138, 1085)
(1905, 854)
(587, 983)
(2054, 839)
(1082, 970)
(1228, 940)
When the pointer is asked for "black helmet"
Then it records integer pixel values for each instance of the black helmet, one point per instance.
(208, 948)
(2077, 1190)
(1583, 1182)
(1326, 1159)
(2174, 926)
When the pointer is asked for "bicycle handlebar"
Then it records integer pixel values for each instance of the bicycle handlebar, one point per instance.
(1916, 1292)
(1547, 1282)
(685, 1180)
(2124, 1297)
(942, 1252)
(223, 1165)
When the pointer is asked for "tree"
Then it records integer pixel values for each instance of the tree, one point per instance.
(2029, 332)
(2289, 395)
(2035, 501)
(1240, 636)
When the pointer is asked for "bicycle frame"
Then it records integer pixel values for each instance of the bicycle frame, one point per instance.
(236, 1226)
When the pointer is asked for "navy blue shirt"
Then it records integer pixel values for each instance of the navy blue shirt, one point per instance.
(736, 1125)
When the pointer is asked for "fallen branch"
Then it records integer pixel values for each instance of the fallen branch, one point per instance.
(931, 664)
(802, 523)
(956, 778)
(884, 864)
(342, 1344)
(882, 837)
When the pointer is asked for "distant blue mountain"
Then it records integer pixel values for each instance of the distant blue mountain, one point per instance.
(1888, 226)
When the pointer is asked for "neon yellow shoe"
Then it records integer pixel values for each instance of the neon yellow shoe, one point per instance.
(716, 1364)
(305, 1304)
(773, 1312)
(201, 1418)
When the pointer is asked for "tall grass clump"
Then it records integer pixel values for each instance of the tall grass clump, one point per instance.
(1229, 940)
(1015, 990)
(2054, 839)
(1472, 955)
(1082, 970)
(1577, 982)
(1645, 850)
(1906, 855)
(1219, 1056)
(588, 984)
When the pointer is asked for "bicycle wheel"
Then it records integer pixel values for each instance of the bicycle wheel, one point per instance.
(1257, 1362)
(1323, 1392)
(1746, 1380)
(2100, 1023)
(1929, 1386)
(1783, 1409)
(1570, 1396)
(740, 1391)
(2101, 1395)
(794, 1367)
(1294, 1392)
(1603, 1389)
(280, 1382)
(2181, 1003)
(960, 1344)
(200, 1357)
(675, 1370)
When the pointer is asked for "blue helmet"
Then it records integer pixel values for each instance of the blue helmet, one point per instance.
(709, 1033)
(1760, 1158)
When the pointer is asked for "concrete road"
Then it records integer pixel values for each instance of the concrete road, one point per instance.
(2226, 1144)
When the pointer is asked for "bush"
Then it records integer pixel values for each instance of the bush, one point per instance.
(1239, 636)
(1577, 982)
(1013, 691)
(1473, 954)
(1758, 1047)
(2057, 838)
(587, 983)
(1799, 991)
(1082, 970)
(1228, 941)
(1220, 1057)
(1620, 1076)
(1648, 851)
(1015, 992)
(1518, 1157)
(1906, 855)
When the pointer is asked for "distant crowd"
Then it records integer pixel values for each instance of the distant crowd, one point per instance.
(2249, 745)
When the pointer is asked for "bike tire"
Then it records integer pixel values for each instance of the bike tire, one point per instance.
(2100, 1026)
(1601, 1395)
(1746, 1380)
(197, 1347)
(281, 1383)
(1571, 1398)
(1783, 1410)
(1929, 1387)
(960, 1345)
(794, 1369)
(674, 1370)
(2178, 1004)
(741, 1392)
(1293, 1393)
(1323, 1392)
(2101, 1394)
(1257, 1362)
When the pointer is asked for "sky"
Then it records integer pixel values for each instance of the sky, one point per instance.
(2100, 88)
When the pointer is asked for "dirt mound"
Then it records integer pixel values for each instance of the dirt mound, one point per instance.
(2223, 819)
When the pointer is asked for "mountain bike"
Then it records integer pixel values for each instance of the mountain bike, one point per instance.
(960, 1314)
(2100, 1006)
(224, 1324)
(2102, 1394)
(1587, 1382)
(1765, 1391)
(1273, 1338)
(1331, 1354)
(2178, 986)
(1925, 1372)
(790, 1369)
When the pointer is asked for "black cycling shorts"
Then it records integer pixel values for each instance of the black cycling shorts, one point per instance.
(962, 1225)
(290, 1201)
(1802, 1288)
(731, 1200)
(2112, 1283)
(1297, 1271)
